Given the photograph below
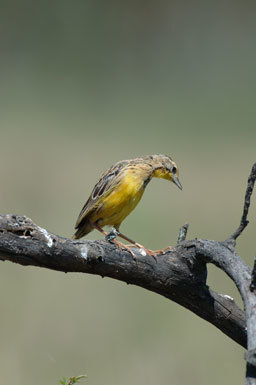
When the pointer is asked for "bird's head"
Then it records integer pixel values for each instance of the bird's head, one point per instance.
(164, 167)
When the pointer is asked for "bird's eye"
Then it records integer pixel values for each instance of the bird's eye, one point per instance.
(174, 169)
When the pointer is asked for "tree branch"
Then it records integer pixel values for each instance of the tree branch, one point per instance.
(183, 233)
(253, 281)
(247, 200)
(179, 274)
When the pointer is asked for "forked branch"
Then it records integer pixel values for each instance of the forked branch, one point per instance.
(247, 200)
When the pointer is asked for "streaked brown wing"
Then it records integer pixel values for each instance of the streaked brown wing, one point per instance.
(102, 187)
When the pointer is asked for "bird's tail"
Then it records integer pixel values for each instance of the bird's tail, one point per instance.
(82, 231)
(76, 235)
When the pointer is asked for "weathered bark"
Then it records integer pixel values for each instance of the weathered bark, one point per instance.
(179, 274)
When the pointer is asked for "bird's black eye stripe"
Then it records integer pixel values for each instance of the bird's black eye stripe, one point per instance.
(174, 169)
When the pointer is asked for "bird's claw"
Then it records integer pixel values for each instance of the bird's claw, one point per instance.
(111, 237)
(153, 253)
(125, 247)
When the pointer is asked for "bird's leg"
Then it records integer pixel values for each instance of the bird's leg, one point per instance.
(97, 227)
(148, 251)
(111, 237)
(129, 240)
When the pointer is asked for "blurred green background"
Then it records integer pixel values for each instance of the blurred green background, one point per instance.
(83, 85)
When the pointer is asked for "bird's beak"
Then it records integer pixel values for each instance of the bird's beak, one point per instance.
(176, 181)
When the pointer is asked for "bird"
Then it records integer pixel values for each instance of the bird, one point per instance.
(118, 192)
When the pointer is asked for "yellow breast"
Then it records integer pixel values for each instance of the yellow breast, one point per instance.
(121, 201)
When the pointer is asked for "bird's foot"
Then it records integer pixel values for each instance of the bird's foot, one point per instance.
(125, 247)
(111, 237)
(162, 251)
(153, 253)
(143, 251)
